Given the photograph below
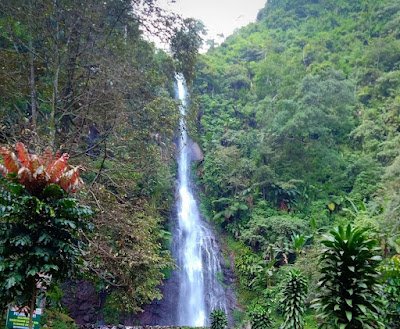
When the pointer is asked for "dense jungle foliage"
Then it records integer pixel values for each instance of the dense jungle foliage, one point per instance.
(300, 124)
(78, 76)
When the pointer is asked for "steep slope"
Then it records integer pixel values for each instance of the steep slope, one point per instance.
(300, 123)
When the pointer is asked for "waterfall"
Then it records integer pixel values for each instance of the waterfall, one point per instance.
(196, 250)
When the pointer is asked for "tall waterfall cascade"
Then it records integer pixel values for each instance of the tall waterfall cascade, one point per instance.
(196, 250)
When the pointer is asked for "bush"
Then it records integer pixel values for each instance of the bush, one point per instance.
(293, 299)
(350, 294)
(218, 319)
(40, 225)
(391, 279)
(263, 231)
(260, 318)
(111, 309)
(56, 320)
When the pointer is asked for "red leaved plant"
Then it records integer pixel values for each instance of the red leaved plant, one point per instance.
(36, 172)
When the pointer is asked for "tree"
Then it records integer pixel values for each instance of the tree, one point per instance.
(293, 299)
(350, 293)
(218, 319)
(71, 75)
(40, 224)
(185, 45)
(101, 90)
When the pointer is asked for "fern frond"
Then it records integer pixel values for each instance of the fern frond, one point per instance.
(70, 180)
(47, 158)
(24, 176)
(23, 155)
(58, 168)
(35, 163)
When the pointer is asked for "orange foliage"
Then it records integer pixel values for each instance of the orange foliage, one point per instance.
(36, 172)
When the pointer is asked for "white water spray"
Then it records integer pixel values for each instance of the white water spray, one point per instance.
(197, 250)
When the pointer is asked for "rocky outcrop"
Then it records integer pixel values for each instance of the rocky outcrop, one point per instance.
(82, 301)
(195, 151)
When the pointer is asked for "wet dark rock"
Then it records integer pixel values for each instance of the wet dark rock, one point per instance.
(82, 301)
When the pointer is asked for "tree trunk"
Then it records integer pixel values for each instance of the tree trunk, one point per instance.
(32, 306)
(32, 87)
(32, 78)
(52, 123)
(57, 64)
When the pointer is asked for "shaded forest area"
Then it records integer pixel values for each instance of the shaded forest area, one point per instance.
(300, 124)
(78, 76)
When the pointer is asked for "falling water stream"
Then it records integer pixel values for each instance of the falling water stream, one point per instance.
(196, 252)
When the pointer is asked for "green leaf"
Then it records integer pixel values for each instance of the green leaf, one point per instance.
(242, 206)
(10, 282)
(32, 272)
(362, 308)
(53, 191)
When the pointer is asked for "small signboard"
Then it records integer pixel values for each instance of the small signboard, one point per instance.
(19, 320)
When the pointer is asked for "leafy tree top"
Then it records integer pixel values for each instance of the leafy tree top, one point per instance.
(36, 172)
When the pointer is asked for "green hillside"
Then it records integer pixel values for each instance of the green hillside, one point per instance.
(300, 124)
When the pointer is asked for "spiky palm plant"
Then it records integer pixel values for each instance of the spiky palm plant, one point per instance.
(350, 293)
(293, 297)
(260, 318)
(218, 319)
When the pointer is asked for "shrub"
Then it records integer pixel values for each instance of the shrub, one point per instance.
(40, 224)
(260, 318)
(36, 173)
(57, 320)
(391, 277)
(350, 294)
(218, 319)
(263, 231)
(293, 299)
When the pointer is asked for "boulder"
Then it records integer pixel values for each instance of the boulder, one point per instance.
(196, 152)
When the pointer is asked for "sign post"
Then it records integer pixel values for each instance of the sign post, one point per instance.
(19, 320)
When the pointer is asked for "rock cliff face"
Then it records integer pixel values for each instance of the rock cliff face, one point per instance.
(160, 312)
(82, 301)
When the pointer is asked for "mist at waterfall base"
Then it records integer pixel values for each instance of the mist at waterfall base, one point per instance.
(196, 250)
